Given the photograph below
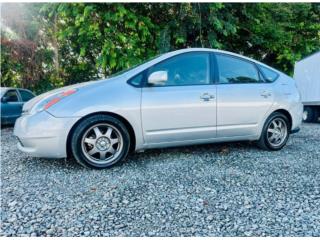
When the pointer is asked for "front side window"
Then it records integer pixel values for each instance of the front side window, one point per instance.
(234, 70)
(11, 96)
(184, 69)
(26, 95)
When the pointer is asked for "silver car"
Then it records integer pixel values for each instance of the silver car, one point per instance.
(185, 97)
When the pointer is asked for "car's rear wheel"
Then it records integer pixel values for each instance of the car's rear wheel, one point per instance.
(100, 141)
(275, 132)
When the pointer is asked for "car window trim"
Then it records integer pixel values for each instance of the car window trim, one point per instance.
(19, 95)
(211, 80)
(129, 81)
(18, 90)
(262, 81)
(214, 66)
(214, 71)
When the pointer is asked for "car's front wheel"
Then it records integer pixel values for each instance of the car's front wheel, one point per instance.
(100, 141)
(275, 132)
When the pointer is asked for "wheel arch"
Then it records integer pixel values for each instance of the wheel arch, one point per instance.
(287, 114)
(117, 116)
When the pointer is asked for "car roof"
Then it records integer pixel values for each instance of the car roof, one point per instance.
(185, 50)
(5, 88)
(12, 88)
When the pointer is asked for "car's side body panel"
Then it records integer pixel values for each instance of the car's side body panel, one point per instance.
(172, 114)
(110, 96)
(168, 116)
(241, 108)
(287, 98)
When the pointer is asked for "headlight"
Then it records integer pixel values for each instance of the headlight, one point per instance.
(52, 100)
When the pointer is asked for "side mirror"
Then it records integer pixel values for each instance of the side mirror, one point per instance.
(4, 99)
(158, 78)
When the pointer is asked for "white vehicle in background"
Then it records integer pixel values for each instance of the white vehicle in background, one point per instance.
(307, 77)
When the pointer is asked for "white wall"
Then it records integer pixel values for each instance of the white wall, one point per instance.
(307, 77)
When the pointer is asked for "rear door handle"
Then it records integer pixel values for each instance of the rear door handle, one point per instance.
(206, 97)
(265, 94)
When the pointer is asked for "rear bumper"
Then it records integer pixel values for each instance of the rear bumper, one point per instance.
(296, 113)
(43, 135)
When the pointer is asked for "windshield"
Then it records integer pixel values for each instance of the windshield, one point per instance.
(135, 66)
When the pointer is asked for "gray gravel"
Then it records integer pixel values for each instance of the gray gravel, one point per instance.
(210, 190)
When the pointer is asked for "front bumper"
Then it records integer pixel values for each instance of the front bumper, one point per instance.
(43, 135)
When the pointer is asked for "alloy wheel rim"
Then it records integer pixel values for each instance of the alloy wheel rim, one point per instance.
(102, 143)
(277, 132)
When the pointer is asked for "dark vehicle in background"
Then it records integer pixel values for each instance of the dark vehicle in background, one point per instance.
(12, 100)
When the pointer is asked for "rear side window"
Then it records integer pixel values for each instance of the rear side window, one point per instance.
(233, 70)
(268, 74)
(25, 95)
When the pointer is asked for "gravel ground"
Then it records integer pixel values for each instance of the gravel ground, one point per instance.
(210, 190)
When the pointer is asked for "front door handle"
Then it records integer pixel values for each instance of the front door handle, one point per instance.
(265, 94)
(206, 97)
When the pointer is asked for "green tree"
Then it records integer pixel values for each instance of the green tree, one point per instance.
(25, 55)
(96, 40)
(54, 44)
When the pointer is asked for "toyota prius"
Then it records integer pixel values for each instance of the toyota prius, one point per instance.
(186, 97)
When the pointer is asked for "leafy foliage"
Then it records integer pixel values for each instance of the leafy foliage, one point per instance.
(55, 44)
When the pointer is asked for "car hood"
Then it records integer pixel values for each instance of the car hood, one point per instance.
(28, 106)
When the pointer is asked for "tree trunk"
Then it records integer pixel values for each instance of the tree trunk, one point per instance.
(55, 46)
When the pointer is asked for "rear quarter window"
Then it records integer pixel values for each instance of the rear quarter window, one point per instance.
(269, 75)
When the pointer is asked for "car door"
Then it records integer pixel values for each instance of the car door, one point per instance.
(11, 106)
(243, 98)
(184, 107)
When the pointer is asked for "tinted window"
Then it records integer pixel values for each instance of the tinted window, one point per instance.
(235, 70)
(11, 96)
(185, 69)
(25, 95)
(269, 75)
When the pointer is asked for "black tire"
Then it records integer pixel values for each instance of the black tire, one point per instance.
(81, 129)
(263, 142)
(309, 114)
